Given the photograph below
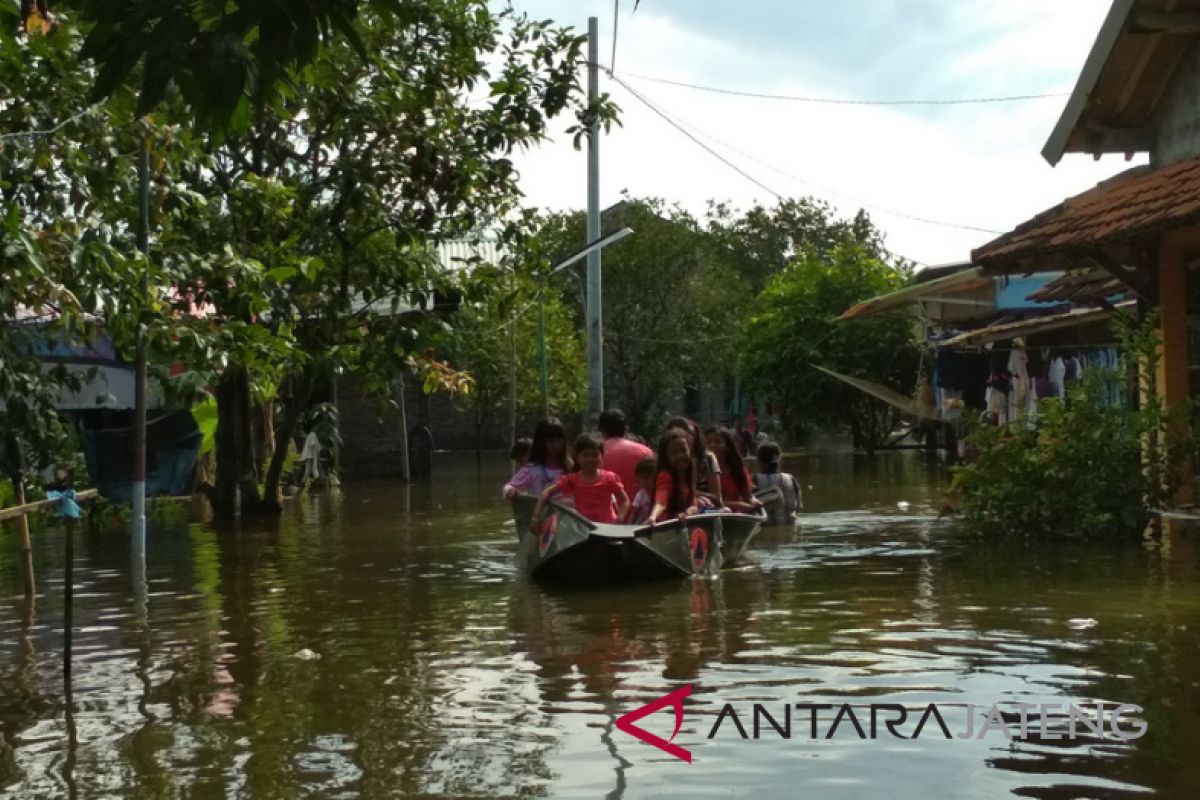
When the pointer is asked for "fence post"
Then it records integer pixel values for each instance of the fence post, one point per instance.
(26, 545)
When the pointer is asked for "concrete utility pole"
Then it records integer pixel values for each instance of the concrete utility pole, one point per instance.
(139, 413)
(595, 329)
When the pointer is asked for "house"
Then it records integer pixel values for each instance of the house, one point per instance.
(1137, 95)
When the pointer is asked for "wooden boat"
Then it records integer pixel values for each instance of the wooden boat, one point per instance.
(571, 548)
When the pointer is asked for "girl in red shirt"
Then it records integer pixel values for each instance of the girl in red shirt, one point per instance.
(736, 487)
(593, 489)
(675, 492)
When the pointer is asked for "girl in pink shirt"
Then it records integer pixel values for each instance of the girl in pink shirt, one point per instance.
(547, 462)
(598, 493)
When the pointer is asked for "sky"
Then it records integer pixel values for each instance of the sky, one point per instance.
(973, 165)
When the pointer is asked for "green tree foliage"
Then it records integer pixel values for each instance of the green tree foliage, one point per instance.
(1089, 467)
(761, 242)
(795, 326)
(303, 232)
(67, 256)
(671, 305)
(496, 340)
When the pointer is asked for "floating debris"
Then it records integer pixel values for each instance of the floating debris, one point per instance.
(1081, 624)
(307, 655)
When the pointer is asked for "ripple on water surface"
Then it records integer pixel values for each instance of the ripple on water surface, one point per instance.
(380, 643)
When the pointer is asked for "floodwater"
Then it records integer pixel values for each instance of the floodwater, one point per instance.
(379, 643)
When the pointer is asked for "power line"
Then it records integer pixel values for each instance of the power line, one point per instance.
(839, 101)
(677, 126)
(671, 341)
(681, 125)
(612, 64)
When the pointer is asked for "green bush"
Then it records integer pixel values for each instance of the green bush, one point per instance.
(1088, 469)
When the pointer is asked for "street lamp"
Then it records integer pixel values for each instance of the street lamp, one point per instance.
(595, 246)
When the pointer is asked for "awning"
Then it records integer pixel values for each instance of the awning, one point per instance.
(890, 396)
(948, 289)
(1030, 327)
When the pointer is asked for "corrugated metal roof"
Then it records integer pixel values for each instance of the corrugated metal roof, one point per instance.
(457, 254)
(1029, 327)
(966, 281)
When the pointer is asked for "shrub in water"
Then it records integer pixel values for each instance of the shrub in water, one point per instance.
(1088, 467)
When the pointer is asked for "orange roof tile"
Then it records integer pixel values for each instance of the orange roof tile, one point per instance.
(1137, 203)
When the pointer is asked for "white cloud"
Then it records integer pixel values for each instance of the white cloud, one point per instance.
(977, 165)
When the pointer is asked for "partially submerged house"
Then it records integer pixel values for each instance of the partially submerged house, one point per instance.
(993, 340)
(1137, 94)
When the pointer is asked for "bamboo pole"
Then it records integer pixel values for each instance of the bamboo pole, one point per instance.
(23, 532)
(21, 509)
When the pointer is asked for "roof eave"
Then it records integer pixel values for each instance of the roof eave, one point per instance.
(1106, 40)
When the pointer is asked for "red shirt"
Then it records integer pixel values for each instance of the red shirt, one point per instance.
(675, 501)
(622, 455)
(595, 500)
(731, 491)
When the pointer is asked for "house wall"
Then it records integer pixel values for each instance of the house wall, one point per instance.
(371, 435)
(1177, 127)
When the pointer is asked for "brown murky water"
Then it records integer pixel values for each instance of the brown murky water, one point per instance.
(440, 672)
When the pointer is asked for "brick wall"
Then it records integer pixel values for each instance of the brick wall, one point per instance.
(371, 434)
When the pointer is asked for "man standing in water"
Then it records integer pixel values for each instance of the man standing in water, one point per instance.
(621, 455)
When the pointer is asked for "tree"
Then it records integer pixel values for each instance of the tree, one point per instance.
(67, 254)
(671, 306)
(795, 327)
(303, 229)
(484, 337)
(332, 199)
(761, 242)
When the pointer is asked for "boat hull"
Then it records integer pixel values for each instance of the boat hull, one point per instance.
(569, 548)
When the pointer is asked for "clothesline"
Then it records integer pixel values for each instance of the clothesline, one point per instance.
(1054, 348)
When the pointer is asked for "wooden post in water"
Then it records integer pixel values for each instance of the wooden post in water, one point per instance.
(23, 532)
(14, 460)
(405, 460)
(68, 607)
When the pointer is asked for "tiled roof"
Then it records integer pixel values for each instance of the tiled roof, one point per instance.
(1080, 287)
(1137, 203)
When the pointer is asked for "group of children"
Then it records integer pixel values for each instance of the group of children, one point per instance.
(690, 473)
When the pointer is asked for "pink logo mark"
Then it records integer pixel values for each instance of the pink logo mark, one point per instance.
(675, 701)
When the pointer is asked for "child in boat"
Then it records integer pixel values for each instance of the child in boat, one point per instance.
(598, 493)
(708, 468)
(548, 460)
(736, 487)
(643, 502)
(675, 492)
(519, 455)
(769, 476)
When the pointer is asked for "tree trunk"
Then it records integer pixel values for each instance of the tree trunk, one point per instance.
(234, 446)
(293, 410)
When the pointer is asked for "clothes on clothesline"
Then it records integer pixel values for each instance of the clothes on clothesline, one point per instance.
(1031, 376)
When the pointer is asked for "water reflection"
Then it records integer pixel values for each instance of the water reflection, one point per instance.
(377, 642)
